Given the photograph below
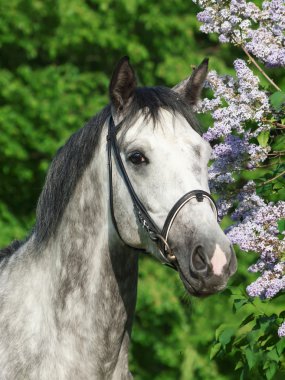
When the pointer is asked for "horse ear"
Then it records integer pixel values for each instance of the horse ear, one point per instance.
(190, 89)
(122, 85)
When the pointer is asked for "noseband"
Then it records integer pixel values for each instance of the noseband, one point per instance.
(160, 237)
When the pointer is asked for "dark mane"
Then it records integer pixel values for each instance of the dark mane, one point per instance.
(13, 247)
(73, 158)
(66, 169)
(151, 100)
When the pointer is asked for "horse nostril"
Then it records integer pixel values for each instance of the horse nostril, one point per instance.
(199, 260)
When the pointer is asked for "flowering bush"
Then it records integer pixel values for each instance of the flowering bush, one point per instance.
(248, 138)
(260, 31)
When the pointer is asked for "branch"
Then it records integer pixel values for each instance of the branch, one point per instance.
(272, 179)
(260, 69)
(277, 154)
(281, 126)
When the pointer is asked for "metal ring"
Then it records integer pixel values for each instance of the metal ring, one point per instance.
(169, 255)
(152, 235)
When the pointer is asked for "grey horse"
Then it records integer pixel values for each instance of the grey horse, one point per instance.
(68, 292)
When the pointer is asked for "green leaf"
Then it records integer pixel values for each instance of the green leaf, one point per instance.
(226, 335)
(239, 303)
(263, 138)
(279, 143)
(227, 292)
(273, 355)
(264, 322)
(282, 314)
(278, 186)
(243, 375)
(256, 174)
(271, 370)
(281, 225)
(239, 365)
(253, 336)
(250, 357)
(248, 319)
(215, 350)
(280, 346)
(277, 99)
(281, 195)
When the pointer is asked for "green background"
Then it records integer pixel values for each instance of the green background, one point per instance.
(56, 58)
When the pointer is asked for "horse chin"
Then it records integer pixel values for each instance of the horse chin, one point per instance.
(199, 289)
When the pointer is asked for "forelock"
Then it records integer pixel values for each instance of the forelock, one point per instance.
(149, 101)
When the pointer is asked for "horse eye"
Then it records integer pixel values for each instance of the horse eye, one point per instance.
(137, 158)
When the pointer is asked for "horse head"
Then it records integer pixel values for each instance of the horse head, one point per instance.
(159, 191)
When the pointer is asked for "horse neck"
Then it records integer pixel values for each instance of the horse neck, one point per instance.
(94, 275)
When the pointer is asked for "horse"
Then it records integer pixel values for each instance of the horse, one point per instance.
(68, 291)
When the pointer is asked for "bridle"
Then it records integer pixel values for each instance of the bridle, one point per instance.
(160, 237)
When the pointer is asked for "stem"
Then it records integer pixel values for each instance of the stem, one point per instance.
(272, 179)
(279, 125)
(260, 69)
(276, 154)
(265, 166)
(282, 126)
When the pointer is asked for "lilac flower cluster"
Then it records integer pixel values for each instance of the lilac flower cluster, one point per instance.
(257, 230)
(259, 30)
(268, 284)
(236, 101)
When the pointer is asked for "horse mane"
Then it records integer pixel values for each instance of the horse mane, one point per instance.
(72, 159)
(13, 247)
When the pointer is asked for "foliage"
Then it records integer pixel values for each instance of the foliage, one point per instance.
(258, 351)
(56, 60)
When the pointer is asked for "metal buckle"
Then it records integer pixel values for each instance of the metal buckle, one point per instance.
(200, 197)
(169, 255)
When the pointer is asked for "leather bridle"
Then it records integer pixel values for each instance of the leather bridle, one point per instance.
(160, 237)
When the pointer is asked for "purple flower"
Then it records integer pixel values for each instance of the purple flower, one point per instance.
(261, 31)
(281, 330)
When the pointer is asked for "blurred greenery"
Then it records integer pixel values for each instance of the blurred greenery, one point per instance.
(56, 58)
